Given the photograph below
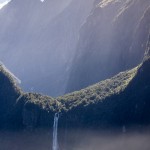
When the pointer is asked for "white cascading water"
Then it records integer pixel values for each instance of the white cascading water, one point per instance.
(55, 132)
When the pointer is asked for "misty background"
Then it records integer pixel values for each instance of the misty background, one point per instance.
(75, 140)
(59, 46)
(38, 41)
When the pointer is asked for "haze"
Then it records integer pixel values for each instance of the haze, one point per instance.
(38, 40)
(75, 140)
(59, 46)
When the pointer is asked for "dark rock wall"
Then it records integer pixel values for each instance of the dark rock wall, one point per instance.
(112, 39)
(9, 93)
(128, 108)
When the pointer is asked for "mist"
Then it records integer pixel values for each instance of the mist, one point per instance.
(75, 140)
(38, 40)
(52, 45)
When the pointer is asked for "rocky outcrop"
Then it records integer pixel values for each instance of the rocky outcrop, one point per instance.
(127, 106)
(9, 94)
(19, 109)
(112, 39)
(122, 100)
(38, 110)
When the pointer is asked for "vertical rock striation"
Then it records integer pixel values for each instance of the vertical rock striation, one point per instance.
(112, 39)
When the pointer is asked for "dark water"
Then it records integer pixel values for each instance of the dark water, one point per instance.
(75, 140)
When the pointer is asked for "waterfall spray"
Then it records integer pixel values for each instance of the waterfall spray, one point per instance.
(55, 132)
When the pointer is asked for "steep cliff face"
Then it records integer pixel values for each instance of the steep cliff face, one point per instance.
(122, 100)
(9, 93)
(19, 109)
(43, 35)
(113, 39)
(38, 110)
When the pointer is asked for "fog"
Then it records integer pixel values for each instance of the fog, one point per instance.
(38, 40)
(52, 45)
(75, 140)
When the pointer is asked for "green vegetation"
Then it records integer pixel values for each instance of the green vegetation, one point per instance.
(90, 95)
(43, 102)
(9, 78)
(99, 91)
(117, 100)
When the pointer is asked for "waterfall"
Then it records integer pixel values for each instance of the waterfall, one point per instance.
(55, 130)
